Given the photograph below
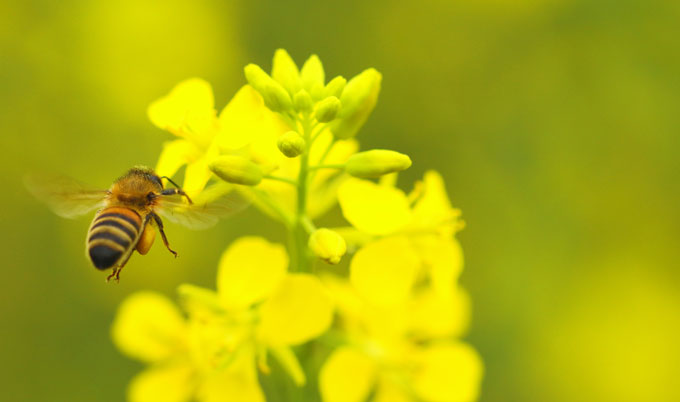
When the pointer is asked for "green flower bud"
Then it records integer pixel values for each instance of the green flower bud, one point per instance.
(312, 73)
(335, 86)
(303, 102)
(286, 72)
(358, 100)
(275, 96)
(327, 109)
(236, 169)
(318, 92)
(327, 245)
(291, 144)
(375, 163)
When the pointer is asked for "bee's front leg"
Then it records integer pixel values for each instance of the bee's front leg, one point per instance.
(174, 191)
(159, 223)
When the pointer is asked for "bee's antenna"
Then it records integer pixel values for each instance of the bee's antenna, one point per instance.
(170, 180)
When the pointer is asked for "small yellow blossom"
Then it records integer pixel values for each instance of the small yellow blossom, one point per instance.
(425, 218)
(266, 307)
(381, 350)
(188, 112)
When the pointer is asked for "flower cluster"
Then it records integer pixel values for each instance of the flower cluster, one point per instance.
(289, 321)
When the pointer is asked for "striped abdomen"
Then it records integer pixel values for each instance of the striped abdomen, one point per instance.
(112, 236)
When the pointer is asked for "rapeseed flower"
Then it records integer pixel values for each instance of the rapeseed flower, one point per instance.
(286, 141)
(188, 112)
(423, 221)
(395, 354)
(258, 308)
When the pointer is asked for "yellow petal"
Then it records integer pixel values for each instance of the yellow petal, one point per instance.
(249, 270)
(373, 209)
(388, 391)
(168, 383)
(188, 108)
(198, 173)
(174, 155)
(383, 272)
(433, 315)
(300, 309)
(433, 208)
(442, 258)
(345, 298)
(246, 120)
(449, 372)
(237, 383)
(149, 327)
(346, 376)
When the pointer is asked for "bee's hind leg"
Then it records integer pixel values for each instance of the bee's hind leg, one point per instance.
(115, 274)
(159, 223)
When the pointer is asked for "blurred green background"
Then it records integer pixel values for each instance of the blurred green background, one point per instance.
(555, 123)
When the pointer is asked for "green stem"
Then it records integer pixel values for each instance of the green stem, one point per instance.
(309, 226)
(333, 166)
(283, 179)
(323, 156)
(317, 131)
(301, 262)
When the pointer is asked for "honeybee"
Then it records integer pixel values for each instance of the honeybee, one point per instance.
(128, 213)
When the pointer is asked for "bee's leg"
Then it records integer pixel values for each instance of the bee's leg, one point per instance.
(159, 223)
(115, 274)
(176, 190)
(173, 191)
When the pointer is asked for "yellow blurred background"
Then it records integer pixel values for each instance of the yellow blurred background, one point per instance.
(555, 122)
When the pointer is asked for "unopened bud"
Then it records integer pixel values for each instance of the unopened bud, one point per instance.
(327, 245)
(286, 72)
(327, 109)
(236, 169)
(312, 73)
(376, 162)
(275, 96)
(358, 100)
(291, 144)
(336, 86)
(303, 102)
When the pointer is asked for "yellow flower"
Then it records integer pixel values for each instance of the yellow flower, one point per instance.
(423, 222)
(244, 126)
(188, 112)
(264, 308)
(212, 356)
(148, 327)
(382, 210)
(399, 352)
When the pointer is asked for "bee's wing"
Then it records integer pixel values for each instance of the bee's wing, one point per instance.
(65, 196)
(214, 203)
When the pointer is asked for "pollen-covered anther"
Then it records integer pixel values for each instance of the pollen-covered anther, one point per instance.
(291, 144)
(328, 245)
(376, 162)
(236, 169)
